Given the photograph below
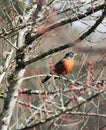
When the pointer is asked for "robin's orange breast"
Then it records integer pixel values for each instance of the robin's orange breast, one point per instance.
(68, 65)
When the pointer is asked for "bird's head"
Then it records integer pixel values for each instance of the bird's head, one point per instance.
(70, 55)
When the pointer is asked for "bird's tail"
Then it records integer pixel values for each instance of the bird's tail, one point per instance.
(45, 79)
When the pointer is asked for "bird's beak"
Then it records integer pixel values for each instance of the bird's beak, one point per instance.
(75, 54)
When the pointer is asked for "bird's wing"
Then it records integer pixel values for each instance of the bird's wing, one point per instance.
(59, 67)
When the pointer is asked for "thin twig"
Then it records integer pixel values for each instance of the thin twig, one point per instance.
(64, 111)
(10, 43)
(58, 24)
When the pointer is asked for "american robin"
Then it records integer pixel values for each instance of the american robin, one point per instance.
(64, 66)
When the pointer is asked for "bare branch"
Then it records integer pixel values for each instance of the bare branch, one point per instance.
(11, 44)
(65, 111)
(57, 24)
(38, 9)
(66, 21)
(94, 26)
